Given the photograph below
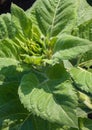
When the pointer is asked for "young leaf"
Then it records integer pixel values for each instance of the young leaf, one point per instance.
(9, 49)
(7, 29)
(54, 16)
(21, 21)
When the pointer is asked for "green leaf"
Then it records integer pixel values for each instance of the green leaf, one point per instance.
(84, 12)
(40, 124)
(22, 23)
(69, 47)
(81, 112)
(84, 30)
(86, 57)
(87, 124)
(6, 27)
(51, 16)
(83, 27)
(51, 99)
(9, 49)
(71, 129)
(87, 65)
(82, 78)
(57, 71)
(12, 113)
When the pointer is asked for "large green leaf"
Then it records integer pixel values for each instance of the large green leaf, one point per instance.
(52, 100)
(69, 47)
(68, 41)
(82, 78)
(82, 81)
(54, 16)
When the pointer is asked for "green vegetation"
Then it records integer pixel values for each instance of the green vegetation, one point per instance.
(46, 66)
